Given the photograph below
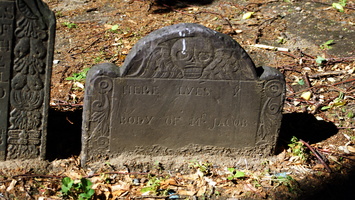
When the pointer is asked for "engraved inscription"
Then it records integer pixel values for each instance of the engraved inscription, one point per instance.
(134, 120)
(178, 112)
(173, 120)
(228, 122)
(195, 91)
(140, 90)
(197, 121)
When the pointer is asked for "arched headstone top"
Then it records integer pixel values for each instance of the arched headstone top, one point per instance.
(188, 51)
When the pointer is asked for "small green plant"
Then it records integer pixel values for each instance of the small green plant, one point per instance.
(78, 77)
(80, 190)
(301, 82)
(158, 165)
(114, 28)
(297, 149)
(59, 14)
(205, 168)
(153, 186)
(281, 40)
(337, 102)
(340, 5)
(98, 60)
(286, 180)
(235, 174)
(69, 25)
(320, 60)
(326, 45)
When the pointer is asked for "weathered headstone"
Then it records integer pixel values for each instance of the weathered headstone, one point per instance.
(183, 89)
(27, 29)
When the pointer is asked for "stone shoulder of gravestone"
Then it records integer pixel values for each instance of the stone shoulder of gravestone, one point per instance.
(183, 89)
(27, 31)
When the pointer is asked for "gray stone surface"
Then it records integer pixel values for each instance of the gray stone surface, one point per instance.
(183, 90)
(27, 29)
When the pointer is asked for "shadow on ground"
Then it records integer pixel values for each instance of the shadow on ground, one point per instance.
(335, 185)
(165, 6)
(304, 126)
(64, 134)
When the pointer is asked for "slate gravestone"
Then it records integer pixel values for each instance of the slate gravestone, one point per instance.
(27, 30)
(183, 89)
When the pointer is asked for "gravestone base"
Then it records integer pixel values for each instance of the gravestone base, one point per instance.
(177, 163)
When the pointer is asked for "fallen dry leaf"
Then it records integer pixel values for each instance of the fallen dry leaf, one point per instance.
(306, 95)
(351, 149)
(164, 184)
(318, 167)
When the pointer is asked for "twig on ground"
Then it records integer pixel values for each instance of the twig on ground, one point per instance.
(327, 73)
(303, 53)
(36, 176)
(317, 155)
(289, 68)
(124, 173)
(336, 154)
(346, 81)
(349, 127)
(263, 46)
(60, 103)
(308, 82)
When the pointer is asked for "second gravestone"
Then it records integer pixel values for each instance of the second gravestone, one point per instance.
(27, 29)
(183, 89)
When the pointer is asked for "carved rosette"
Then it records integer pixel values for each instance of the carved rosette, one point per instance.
(99, 118)
(30, 83)
(271, 113)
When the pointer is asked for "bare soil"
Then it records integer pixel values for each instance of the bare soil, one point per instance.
(325, 120)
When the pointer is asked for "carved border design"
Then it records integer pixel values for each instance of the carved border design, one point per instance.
(99, 137)
(7, 20)
(271, 112)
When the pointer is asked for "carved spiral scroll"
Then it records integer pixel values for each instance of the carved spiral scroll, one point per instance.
(273, 88)
(103, 84)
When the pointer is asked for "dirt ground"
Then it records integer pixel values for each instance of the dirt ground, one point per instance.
(319, 106)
